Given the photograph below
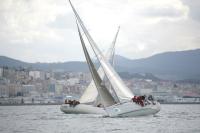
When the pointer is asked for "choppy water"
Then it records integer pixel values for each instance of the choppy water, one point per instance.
(49, 119)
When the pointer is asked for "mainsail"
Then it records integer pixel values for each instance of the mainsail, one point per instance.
(90, 94)
(123, 92)
(106, 97)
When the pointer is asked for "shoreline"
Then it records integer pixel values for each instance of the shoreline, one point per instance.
(43, 104)
(31, 104)
(180, 103)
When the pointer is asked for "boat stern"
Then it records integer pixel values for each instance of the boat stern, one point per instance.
(131, 109)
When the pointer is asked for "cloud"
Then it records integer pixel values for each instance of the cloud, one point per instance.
(27, 20)
(194, 8)
(35, 30)
(163, 12)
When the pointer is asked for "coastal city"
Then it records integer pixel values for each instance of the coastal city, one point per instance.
(28, 86)
(99, 66)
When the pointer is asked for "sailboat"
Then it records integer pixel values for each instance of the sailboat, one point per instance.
(125, 106)
(90, 99)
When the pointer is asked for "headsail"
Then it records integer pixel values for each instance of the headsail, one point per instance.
(90, 94)
(122, 91)
(106, 97)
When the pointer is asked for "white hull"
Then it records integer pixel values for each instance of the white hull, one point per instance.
(128, 109)
(131, 109)
(82, 109)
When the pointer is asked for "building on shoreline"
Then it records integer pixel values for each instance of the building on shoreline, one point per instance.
(51, 87)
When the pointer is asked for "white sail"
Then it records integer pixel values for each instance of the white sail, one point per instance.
(111, 109)
(90, 94)
(106, 97)
(122, 91)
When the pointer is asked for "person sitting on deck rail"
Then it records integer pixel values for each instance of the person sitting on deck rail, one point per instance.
(139, 100)
(66, 101)
(72, 103)
(150, 98)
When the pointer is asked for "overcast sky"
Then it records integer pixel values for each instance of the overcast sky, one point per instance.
(45, 30)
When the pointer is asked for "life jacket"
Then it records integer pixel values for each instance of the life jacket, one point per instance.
(138, 100)
(134, 99)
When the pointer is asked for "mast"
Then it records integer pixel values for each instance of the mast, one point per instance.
(112, 49)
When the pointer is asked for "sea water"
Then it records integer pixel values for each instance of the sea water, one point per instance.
(49, 119)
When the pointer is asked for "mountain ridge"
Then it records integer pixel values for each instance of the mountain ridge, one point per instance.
(175, 65)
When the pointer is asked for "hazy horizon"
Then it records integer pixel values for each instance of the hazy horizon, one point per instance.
(45, 31)
(85, 60)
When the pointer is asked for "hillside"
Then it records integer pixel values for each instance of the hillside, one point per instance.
(169, 65)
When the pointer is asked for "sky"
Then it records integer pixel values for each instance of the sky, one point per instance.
(45, 30)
